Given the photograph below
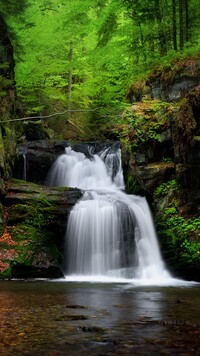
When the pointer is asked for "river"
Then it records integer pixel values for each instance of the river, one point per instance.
(42, 317)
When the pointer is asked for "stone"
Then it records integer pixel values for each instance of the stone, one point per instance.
(34, 226)
(154, 174)
(34, 130)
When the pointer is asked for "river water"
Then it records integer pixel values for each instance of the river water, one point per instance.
(74, 318)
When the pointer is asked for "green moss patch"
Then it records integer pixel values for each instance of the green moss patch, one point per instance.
(179, 235)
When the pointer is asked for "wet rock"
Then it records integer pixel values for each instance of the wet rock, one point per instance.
(34, 130)
(174, 91)
(75, 306)
(154, 174)
(35, 159)
(91, 329)
(172, 84)
(177, 301)
(22, 271)
(71, 317)
(34, 229)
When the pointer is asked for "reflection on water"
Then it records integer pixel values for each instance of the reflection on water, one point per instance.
(48, 318)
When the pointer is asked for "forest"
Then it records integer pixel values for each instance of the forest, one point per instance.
(100, 177)
(100, 70)
(85, 55)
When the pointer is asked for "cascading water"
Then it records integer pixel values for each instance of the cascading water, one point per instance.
(24, 167)
(23, 154)
(110, 234)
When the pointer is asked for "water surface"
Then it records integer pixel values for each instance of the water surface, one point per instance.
(71, 318)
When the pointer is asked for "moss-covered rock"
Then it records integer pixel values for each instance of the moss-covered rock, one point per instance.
(7, 100)
(34, 228)
(160, 138)
(178, 229)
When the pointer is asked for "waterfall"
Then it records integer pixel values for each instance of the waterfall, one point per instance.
(22, 151)
(110, 234)
(24, 166)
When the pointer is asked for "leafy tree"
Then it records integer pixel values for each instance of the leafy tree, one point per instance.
(164, 18)
(75, 54)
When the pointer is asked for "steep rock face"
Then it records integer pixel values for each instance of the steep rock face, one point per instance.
(7, 133)
(163, 158)
(35, 158)
(32, 238)
(7, 99)
(176, 87)
(170, 116)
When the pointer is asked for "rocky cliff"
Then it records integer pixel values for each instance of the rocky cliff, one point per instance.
(7, 102)
(160, 134)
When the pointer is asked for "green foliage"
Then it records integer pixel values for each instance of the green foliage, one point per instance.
(132, 185)
(106, 30)
(141, 123)
(26, 239)
(164, 188)
(85, 54)
(179, 235)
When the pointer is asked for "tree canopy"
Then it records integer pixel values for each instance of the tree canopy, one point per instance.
(83, 54)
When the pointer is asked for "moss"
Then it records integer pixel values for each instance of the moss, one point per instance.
(33, 246)
(8, 131)
(26, 232)
(20, 212)
(165, 188)
(179, 235)
(142, 122)
(188, 66)
(133, 186)
(180, 240)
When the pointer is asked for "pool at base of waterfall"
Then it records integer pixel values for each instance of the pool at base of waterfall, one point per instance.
(78, 318)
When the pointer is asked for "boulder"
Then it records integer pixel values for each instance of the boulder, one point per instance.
(35, 221)
(34, 130)
(154, 174)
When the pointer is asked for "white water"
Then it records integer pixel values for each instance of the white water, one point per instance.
(24, 167)
(110, 235)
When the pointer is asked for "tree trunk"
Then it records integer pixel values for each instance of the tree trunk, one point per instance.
(6, 53)
(187, 20)
(174, 25)
(181, 25)
(161, 32)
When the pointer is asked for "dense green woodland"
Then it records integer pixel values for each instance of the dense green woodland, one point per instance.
(94, 70)
(75, 54)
